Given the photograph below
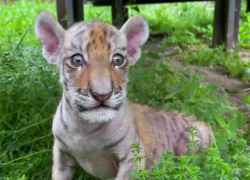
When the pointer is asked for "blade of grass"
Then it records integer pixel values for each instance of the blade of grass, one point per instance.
(19, 43)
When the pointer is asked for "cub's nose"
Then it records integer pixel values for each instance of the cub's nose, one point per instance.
(101, 97)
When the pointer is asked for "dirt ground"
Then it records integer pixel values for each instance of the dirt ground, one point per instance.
(235, 88)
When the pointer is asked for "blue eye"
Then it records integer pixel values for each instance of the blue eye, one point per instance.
(77, 60)
(118, 60)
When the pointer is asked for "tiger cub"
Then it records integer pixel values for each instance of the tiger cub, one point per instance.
(94, 125)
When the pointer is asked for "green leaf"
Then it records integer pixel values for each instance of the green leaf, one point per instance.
(67, 16)
(231, 134)
(221, 121)
(136, 8)
(171, 95)
(233, 124)
(246, 99)
(153, 55)
(221, 142)
(240, 118)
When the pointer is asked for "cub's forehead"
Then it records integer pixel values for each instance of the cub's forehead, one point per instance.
(90, 27)
(96, 32)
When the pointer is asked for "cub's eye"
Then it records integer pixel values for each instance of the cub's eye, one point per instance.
(118, 60)
(77, 60)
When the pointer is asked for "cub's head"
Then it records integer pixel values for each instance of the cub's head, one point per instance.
(93, 59)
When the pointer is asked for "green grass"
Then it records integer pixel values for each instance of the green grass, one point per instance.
(30, 92)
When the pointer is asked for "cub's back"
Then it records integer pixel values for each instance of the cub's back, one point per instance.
(161, 130)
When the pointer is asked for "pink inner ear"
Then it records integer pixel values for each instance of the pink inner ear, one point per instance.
(134, 41)
(50, 39)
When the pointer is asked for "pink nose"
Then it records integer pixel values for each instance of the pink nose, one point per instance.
(101, 97)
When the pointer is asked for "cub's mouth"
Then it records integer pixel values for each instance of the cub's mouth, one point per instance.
(101, 106)
(82, 108)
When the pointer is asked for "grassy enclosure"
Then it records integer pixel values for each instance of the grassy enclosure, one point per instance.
(30, 91)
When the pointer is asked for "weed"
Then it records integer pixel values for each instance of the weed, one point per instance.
(232, 61)
(209, 163)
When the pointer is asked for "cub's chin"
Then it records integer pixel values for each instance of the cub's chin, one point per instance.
(99, 115)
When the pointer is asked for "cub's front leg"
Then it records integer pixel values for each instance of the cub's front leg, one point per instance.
(63, 165)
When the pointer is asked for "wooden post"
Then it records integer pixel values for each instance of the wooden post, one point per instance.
(78, 14)
(230, 29)
(248, 6)
(119, 13)
(237, 21)
(75, 11)
(219, 27)
(61, 13)
(226, 23)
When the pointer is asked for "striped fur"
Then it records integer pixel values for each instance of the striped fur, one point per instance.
(94, 126)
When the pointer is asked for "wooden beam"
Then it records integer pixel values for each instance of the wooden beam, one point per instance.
(61, 13)
(109, 2)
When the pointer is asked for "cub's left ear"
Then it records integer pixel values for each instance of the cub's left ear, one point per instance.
(136, 31)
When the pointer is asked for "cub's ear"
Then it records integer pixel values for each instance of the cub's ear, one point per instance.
(51, 34)
(136, 31)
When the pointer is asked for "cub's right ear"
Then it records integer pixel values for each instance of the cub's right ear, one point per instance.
(50, 33)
